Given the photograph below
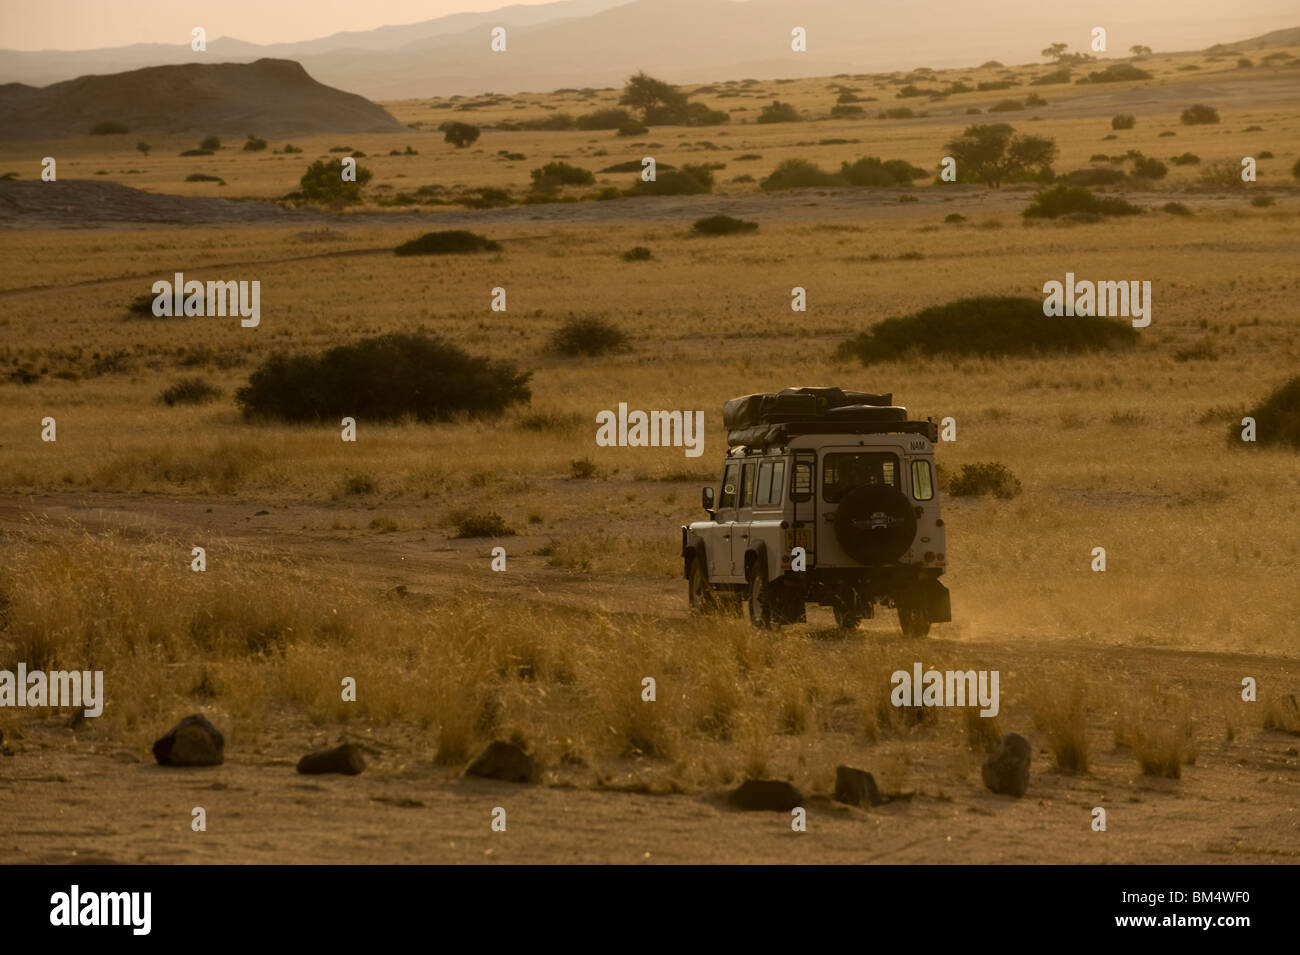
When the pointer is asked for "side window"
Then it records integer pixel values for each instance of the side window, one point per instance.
(730, 476)
(801, 481)
(747, 485)
(778, 483)
(763, 495)
(922, 487)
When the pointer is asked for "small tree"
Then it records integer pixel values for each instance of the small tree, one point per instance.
(659, 102)
(1139, 50)
(1055, 51)
(143, 147)
(1199, 114)
(993, 152)
(323, 182)
(459, 135)
(211, 142)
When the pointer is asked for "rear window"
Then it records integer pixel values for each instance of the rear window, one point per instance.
(842, 472)
(922, 485)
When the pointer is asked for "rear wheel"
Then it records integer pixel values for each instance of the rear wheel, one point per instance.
(913, 619)
(760, 599)
(703, 599)
(846, 617)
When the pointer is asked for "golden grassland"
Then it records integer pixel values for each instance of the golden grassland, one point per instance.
(1127, 451)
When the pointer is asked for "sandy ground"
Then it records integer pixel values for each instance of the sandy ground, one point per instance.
(70, 795)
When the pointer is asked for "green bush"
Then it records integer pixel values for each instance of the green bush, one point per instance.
(323, 182)
(459, 135)
(210, 142)
(189, 391)
(1123, 121)
(1058, 76)
(638, 253)
(897, 112)
(253, 144)
(383, 378)
(697, 114)
(1176, 209)
(108, 128)
(1006, 106)
(870, 171)
(1221, 174)
(480, 524)
(1186, 159)
(448, 242)
(1076, 201)
(1199, 115)
(1103, 176)
(604, 119)
(723, 225)
(778, 112)
(1116, 73)
(562, 174)
(798, 174)
(1277, 418)
(291, 148)
(988, 326)
(633, 128)
(989, 477)
(1146, 167)
(587, 336)
(690, 180)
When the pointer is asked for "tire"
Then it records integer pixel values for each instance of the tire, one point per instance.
(846, 618)
(700, 591)
(875, 524)
(913, 619)
(759, 602)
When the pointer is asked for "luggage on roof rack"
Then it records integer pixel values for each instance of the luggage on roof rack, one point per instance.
(766, 420)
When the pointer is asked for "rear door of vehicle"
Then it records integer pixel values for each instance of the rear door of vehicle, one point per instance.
(720, 547)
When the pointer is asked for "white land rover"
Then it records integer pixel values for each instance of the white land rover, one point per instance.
(827, 497)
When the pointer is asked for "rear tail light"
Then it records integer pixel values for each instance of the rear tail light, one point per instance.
(929, 557)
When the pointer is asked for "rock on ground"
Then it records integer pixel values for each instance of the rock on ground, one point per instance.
(191, 742)
(504, 761)
(771, 794)
(345, 759)
(1007, 770)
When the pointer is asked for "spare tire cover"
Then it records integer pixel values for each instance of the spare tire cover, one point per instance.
(875, 524)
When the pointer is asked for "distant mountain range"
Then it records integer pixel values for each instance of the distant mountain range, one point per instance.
(581, 43)
(267, 97)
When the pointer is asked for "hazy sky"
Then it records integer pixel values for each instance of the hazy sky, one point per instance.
(91, 24)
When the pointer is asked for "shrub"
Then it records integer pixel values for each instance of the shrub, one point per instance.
(189, 391)
(291, 148)
(1006, 106)
(459, 135)
(723, 225)
(690, 180)
(1094, 177)
(989, 86)
(778, 112)
(1244, 63)
(954, 217)
(1277, 417)
(632, 128)
(143, 147)
(1221, 174)
(870, 171)
(480, 524)
(897, 112)
(1058, 76)
(1063, 719)
(1295, 170)
(582, 469)
(1076, 201)
(210, 142)
(323, 182)
(562, 174)
(200, 177)
(989, 477)
(1186, 159)
(1116, 73)
(196, 152)
(842, 110)
(383, 378)
(448, 242)
(108, 129)
(798, 174)
(253, 144)
(604, 119)
(993, 153)
(587, 336)
(697, 114)
(1176, 209)
(988, 326)
(638, 253)
(1199, 115)
(1148, 168)
(1123, 121)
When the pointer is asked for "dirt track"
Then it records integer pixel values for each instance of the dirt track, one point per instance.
(69, 795)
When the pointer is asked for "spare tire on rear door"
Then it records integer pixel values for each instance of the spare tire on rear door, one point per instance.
(875, 524)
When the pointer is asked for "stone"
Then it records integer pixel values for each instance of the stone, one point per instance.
(1007, 770)
(504, 761)
(191, 742)
(857, 787)
(345, 759)
(775, 795)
